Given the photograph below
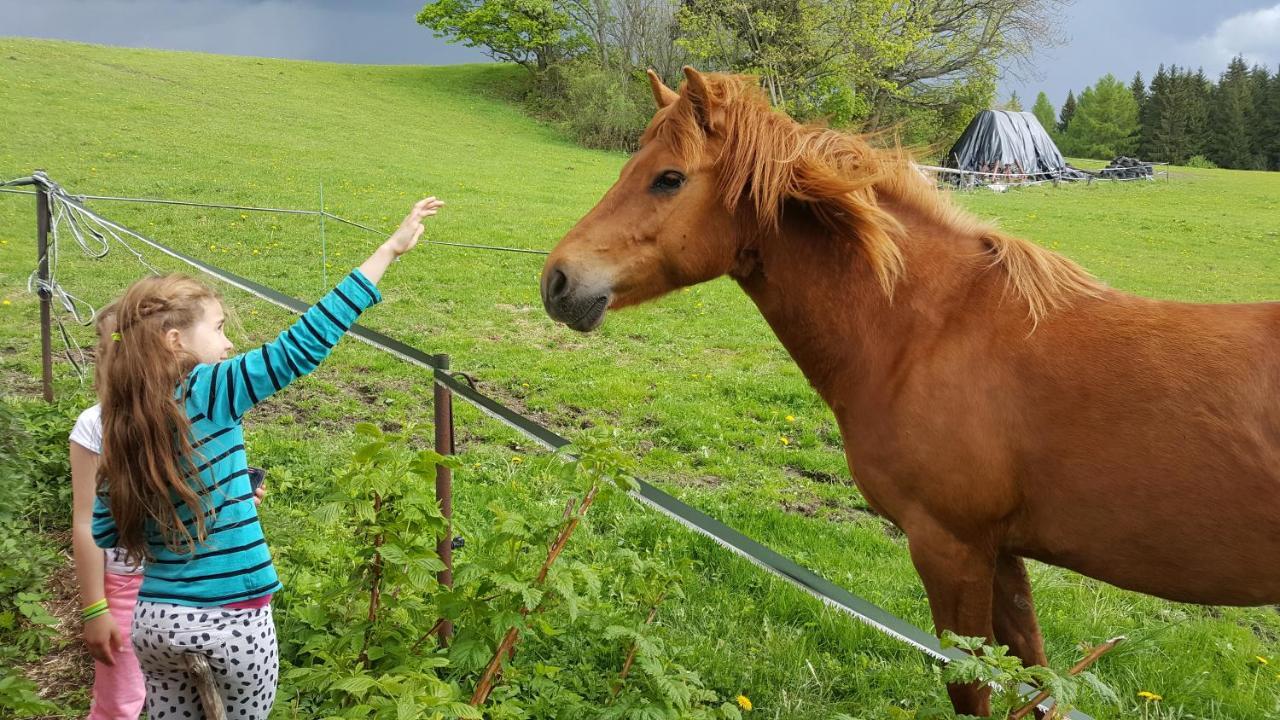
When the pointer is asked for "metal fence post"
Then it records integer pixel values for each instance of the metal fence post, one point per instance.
(42, 258)
(444, 484)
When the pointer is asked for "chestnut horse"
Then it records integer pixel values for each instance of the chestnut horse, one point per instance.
(996, 401)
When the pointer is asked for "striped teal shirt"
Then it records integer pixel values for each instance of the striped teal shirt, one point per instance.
(233, 564)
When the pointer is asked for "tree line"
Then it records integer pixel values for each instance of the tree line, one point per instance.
(1181, 117)
(922, 66)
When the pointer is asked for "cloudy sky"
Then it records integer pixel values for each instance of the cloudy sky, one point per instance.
(1116, 36)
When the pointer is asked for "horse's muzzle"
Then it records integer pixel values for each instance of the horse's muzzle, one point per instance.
(581, 308)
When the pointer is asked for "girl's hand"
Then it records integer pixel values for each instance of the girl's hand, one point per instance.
(406, 236)
(102, 637)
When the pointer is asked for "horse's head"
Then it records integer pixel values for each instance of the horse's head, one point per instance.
(716, 168)
(663, 224)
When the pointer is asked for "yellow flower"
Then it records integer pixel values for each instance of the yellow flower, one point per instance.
(784, 439)
(744, 702)
(517, 459)
(1149, 696)
(791, 418)
(1262, 660)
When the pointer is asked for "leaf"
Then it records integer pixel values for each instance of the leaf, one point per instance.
(406, 708)
(465, 711)
(356, 685)
(368, 430)
(469, 653)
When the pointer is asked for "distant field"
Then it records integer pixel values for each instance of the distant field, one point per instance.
(696, 382)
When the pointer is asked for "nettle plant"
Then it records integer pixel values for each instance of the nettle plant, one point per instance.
(541, 629)
(992, 665)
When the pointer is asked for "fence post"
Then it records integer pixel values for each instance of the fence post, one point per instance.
(42, 260)
(444, 484)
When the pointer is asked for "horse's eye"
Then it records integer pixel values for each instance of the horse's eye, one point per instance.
(668, 182)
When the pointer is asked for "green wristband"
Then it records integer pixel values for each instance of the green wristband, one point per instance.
(94, 610)
(95, 614)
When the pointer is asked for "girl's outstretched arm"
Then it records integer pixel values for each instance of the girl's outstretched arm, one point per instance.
(224, 391)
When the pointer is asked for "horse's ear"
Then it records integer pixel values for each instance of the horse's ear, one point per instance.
(662, 95)
(704, 105)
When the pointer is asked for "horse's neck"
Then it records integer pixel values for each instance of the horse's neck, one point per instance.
(826, 305)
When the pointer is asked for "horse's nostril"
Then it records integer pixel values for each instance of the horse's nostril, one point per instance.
(558, 285)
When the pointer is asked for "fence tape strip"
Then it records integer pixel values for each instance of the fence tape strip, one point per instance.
(682, 513)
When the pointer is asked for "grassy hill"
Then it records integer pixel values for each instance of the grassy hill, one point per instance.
(696, 382)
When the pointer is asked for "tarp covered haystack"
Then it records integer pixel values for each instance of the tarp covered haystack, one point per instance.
(1007, 143)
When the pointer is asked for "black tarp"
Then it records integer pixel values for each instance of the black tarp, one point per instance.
(1002, 141)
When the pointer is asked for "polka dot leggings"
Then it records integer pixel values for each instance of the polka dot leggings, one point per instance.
(240, 646)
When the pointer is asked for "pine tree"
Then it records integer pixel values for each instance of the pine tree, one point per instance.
(1273, 102)
(1139, 91)
(1199, 104)
(1150, 116)
(1232, 110)
(1043, 110)
(1262, 120)
(1105, 123)
(1014, 103)
(1068, 111)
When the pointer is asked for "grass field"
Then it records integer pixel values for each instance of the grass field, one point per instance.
(700, 389)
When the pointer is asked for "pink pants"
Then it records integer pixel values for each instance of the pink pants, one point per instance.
(118, 690)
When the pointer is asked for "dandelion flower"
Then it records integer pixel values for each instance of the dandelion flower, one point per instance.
(5, 302)
(1149, 696)
(791, 418)
(784, 439)
(517, 459)
(744, 702)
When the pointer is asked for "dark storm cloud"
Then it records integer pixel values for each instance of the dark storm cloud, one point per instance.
(382, 31)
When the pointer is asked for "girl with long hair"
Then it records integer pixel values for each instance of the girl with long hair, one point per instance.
(173, 481)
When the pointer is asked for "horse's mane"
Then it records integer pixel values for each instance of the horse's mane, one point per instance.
(770, 159)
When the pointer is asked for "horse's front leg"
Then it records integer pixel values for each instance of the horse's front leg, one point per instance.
(1014, 613)
(958, 576)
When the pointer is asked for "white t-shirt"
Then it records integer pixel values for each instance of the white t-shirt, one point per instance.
(87, 433)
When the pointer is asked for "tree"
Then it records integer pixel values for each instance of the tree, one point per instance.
(1264, 121)
(1272, 110)
(1232, 112)
(1139, 91)
(1014, 103)
(930, 62)
(1105, 123)
(1068, 112)
(532, 33)
(1043, 110)
(1150, 114)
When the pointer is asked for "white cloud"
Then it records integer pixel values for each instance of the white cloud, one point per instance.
(1254, 34)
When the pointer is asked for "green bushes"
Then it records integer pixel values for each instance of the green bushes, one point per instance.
(553, 633)
(35, 497)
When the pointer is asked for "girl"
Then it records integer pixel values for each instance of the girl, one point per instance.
(104, 576)
(176, 483)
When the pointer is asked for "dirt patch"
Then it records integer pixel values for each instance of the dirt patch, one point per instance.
(700, 482)
(819, 476)
(837, 512)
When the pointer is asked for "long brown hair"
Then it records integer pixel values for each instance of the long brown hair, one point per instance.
(844, 179)
(105, 325)
(148, 466)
